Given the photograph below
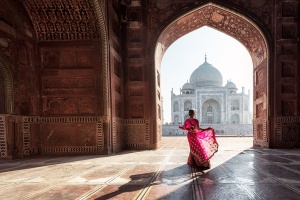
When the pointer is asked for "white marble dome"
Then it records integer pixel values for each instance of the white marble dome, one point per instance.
(206, 75)
(230, 85)
(187, 86)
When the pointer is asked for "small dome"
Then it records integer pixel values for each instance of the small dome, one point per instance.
(187, 86)
(230, 85)
(206, 75)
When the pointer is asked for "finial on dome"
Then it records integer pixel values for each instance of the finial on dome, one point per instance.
(205, 57)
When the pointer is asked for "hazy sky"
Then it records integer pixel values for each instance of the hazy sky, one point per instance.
(186, 54)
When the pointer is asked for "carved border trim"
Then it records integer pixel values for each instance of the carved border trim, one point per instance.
(26, 134)
(114, 135)
(279, 134)
(104, 53)
(3, 147)
(8, 85)
(67, 149)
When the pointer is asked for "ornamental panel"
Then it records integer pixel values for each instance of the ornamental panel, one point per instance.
(288, 129)
(137, 133)
(63, 20)
(64, 135)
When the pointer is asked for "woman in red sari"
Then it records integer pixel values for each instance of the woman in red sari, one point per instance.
(202, 142)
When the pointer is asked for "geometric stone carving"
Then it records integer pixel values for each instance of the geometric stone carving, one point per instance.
(288, 129)
(67, 58)
(26, 135)
(2, 94)
(117, 135)
(137, 133)
(260, 132)
(63, 20)
(69, 105)
(259, 94)
(3, 142)
(220, 19)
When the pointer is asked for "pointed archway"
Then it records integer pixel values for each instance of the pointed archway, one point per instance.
(243, 29)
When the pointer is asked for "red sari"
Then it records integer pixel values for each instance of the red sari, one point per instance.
(202, 142)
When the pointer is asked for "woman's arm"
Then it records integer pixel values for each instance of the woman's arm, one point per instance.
(183, 127)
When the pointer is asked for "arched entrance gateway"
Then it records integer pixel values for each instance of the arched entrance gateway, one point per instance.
(245, 31)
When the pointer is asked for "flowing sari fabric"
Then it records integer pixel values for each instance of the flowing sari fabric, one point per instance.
(203, 143)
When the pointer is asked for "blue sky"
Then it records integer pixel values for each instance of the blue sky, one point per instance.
(187, 53)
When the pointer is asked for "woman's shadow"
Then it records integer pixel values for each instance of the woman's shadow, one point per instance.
(138, 183)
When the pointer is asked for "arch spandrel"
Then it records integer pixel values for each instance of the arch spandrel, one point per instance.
(222, 20)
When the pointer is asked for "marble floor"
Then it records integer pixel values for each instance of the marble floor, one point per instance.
(238, 171)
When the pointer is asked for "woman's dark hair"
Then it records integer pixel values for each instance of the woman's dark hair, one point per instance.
(191, 113)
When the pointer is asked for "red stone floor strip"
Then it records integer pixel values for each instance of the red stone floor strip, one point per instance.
(100, 187)
(145, 191)
(197, 190)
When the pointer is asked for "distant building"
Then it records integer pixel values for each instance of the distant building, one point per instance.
(218, 106)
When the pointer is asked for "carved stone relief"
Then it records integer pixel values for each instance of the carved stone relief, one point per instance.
(259, 94)
(69, 106)
(69, 87)
(161, 10)
(260, 130)
(63, 20)
(60, 136)
(137, 133)
(222, 20)
(288, 129)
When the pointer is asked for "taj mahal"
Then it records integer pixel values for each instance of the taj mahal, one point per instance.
(217, 106)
